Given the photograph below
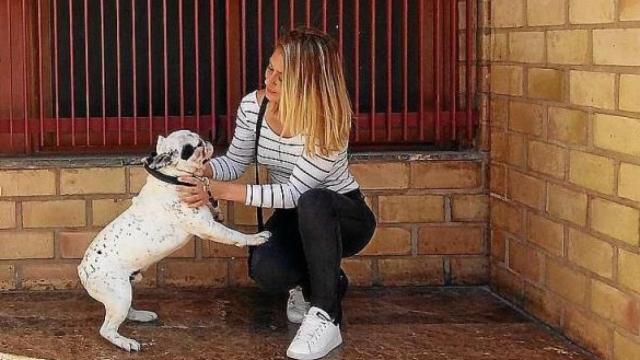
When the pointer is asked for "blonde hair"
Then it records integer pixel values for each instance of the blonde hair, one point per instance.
(314, 101)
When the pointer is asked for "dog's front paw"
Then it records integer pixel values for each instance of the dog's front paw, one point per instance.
(258, 239)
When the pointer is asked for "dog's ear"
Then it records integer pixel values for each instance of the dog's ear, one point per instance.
(160, 160)
(187, 151)
(160, 144)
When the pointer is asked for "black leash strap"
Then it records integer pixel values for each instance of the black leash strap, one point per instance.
(263, 109)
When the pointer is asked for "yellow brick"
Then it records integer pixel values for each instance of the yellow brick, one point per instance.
(499, 112)
(507, 13)
(415, 271)
(389, 241)
(526, 47)
(497, 179)
(499, 49)
(618, 221)
(516, 150)
(74, 244)
(584, 329)
(506, 80)
(189, 273)
(566, 282)
(625, 348)
(137, 178)
(26, 245)
(105, 210)
(49, 276)
(526, 118)
(470, 207)
(469, 270)
(591, 171)
(628, 270)
(445, 174)
(567, 204)
(617, 133)
(525, 261)
(506, 216)
(568, 47)
(7, 277)
(546, 158)
(546, 84)
(628, 181)
(543, 305)
(592, 89)
(451, 240)
(359, 270)
(527, 189)
(498, 245)
(630, 92)
(425, 208)
(569, 126)
(27, 182)
(629, 10)
(54, 213)
(186, 251)
(545, 233)
(546, 12)
(616, 47)
(92, 181)
(591, 253)
(7, 215)
(591, 11)
(499, 145)
(246, 215)
(381, 175)
(614, 305)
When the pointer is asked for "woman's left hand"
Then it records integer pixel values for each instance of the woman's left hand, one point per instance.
(194, 196)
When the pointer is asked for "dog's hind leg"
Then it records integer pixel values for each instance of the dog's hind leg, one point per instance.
(141, 315)
(117, 305)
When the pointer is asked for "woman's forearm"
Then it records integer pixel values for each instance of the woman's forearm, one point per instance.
(228, 191)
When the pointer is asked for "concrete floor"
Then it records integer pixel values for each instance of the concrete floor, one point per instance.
(409, 323)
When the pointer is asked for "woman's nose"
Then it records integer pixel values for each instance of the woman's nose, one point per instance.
(271, 79)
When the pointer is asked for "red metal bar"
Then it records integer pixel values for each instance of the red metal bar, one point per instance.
(454, 67)
(166, 80)
(104, 116)
(356, 84)
(308, 13)
(421, 68)
(228, 58)
(149, 72)
(40, 74)
(244, 57)
(405, 49)
(213, 67)
(195, 39)
(438, 70)
(181, 61)
(276, 19)
(118, 73)
(469, 86)
(324, 15)
(11, 72)
(373, 70)
(71, 66)
(27, 143)
(292, 12)
(259, 44)
(86, 69)
(389, 60)
(134, 63)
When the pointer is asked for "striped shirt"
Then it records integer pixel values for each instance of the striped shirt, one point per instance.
(291, 171)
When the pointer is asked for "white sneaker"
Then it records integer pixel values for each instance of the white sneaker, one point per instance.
(297, 307)
(316, 337)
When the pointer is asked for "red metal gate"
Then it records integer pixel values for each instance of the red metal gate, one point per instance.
(110, 75)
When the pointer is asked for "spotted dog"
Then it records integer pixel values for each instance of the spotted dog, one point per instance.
(156, 224)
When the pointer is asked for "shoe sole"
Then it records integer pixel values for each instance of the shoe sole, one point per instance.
(337, 342)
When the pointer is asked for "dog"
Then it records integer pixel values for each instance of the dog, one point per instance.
(155, 225)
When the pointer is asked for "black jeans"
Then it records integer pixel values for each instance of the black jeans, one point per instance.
(308, 243)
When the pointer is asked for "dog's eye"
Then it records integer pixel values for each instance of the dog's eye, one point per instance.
(187, 151)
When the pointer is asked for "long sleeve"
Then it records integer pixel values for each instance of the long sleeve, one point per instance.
(309, 172)
(241, 150)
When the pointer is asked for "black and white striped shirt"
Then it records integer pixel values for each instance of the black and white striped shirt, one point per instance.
(291, 172)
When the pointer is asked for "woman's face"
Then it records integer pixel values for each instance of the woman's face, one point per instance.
(273, 76)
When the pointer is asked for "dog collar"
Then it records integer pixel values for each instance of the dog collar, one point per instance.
(164, 177)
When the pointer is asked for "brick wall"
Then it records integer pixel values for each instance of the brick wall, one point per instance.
(432, 214)
(563, 98)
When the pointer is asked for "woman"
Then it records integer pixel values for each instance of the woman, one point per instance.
(320, 214)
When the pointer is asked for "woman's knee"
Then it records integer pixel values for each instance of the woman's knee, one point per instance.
(270, 272)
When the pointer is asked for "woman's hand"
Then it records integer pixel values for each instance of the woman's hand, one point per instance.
(194, 196)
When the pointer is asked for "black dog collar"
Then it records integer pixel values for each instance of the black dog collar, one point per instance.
(163, 177)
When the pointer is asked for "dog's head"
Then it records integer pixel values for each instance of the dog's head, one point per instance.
(182, 149)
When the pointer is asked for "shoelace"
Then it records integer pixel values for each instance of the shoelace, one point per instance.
(312, 327)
